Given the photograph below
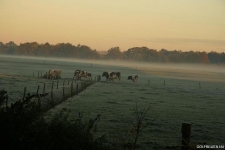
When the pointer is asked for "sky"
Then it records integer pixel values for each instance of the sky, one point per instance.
(185, 25)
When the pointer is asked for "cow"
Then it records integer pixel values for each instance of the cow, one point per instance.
(134, 78)
(78, 74)
(54, 73)
(89, 75)
(111, 75)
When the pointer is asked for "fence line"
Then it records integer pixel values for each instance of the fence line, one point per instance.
(98, 78)
(73, 90)
(56, 93)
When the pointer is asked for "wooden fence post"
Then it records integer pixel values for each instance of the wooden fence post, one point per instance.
(44, 88)
(77, 88)
(53, 105)
(52, 84)
(24, 93)
(63, 90)
(39, 103)
(37, 90)
(186, 132)
(72, 89)
(6, 102)
(98, 78)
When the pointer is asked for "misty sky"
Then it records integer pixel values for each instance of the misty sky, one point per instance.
(197, 25)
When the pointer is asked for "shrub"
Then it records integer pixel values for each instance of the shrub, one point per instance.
(24, 126)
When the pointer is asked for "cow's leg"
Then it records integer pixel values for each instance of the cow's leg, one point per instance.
(77, 77)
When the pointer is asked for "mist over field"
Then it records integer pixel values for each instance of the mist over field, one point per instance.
(195, 71)
(135, 64)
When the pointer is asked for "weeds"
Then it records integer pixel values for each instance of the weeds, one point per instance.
(126, 135)
(23, 126)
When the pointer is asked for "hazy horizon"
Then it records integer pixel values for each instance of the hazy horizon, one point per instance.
(133, 64)
(172, 25)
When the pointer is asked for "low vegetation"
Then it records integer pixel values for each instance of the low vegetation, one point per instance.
(24, 125)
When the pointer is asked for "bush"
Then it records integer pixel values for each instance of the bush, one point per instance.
(24, 126)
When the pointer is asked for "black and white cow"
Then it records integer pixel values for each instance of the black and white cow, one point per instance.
(111, 75)
(78, 74)
(133, 78)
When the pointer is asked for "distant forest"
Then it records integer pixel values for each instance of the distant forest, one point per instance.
(144, 54)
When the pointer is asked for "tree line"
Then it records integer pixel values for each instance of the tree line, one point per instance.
(144, 54)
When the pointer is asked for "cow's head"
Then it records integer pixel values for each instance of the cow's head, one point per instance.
(77, 72)
(83, 72)
(89, 75)
(104, 74)
(129, 78)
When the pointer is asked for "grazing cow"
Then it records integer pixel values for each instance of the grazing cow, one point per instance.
(54, 73)
(133, 78)
(78, 74)
(89, 75)
(111, 75)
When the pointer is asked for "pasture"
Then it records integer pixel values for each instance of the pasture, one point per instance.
(180, 99)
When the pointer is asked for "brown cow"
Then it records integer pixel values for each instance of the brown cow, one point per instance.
(54, 73)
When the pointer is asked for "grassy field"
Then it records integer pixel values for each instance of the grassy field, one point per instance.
(180, 100)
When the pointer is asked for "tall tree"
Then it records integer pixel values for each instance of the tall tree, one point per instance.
(114, 53)
(204, 58)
